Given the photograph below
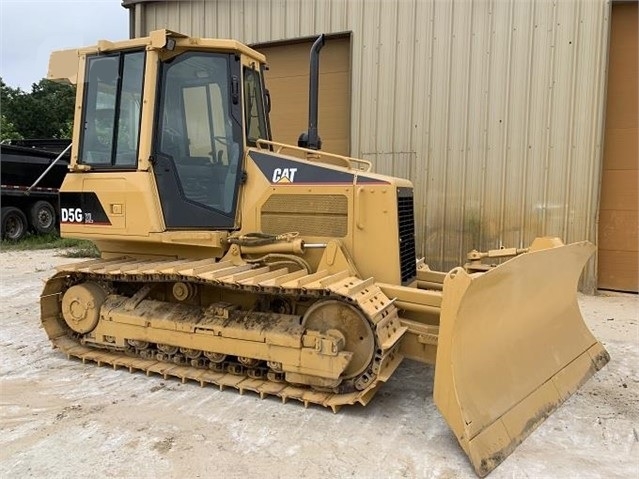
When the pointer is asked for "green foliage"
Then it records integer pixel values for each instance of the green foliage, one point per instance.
(44, 112)
(67, 130)
(7, 130)
(75, 248)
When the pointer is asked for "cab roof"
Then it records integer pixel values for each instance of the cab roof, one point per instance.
(63, 64)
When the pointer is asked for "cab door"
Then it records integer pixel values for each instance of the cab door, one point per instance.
(198, 146)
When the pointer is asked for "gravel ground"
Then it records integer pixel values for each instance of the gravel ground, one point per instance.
(60, 418)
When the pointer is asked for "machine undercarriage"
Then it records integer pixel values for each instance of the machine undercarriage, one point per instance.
(327, 339)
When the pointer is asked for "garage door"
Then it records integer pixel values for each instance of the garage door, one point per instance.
(618, 226)
(287, 81)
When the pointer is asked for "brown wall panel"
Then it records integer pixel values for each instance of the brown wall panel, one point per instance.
(621, 149)
(619, 190)
(622, 68)
(618, 228)
(618, 270)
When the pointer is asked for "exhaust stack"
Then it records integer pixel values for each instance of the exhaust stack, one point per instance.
(310, 139)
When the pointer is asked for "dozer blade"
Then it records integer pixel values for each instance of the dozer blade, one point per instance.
(512, 347)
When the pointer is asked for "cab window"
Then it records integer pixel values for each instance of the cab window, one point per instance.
(112, 106)
(254, 107)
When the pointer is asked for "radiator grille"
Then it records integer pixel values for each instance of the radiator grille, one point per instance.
(406, 220)
(310, 215)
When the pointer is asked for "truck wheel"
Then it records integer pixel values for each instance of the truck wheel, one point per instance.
(14, 223)
(42, 217)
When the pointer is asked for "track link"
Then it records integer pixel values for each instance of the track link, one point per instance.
(363, 294)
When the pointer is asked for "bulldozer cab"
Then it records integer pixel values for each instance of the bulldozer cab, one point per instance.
(189, 112)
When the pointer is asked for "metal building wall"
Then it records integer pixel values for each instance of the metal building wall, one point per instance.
(494, 109)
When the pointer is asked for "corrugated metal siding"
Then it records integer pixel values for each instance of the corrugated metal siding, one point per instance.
(494, 109)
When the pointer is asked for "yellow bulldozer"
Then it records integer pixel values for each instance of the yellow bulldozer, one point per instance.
(230, 259)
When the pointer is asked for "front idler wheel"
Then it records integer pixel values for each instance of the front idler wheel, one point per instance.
(348, 324)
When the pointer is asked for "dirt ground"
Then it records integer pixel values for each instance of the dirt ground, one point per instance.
(60, 418)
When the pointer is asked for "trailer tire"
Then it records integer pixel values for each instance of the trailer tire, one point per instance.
(14, 223)
(42, 217)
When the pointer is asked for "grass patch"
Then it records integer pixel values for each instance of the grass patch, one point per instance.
(76, 248)
(87, 250)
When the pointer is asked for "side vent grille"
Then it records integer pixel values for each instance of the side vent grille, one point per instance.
(406, 219)
(310, 215)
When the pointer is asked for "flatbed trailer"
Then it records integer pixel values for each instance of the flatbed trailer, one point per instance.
(30, 178)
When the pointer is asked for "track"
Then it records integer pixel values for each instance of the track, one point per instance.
(364, 295)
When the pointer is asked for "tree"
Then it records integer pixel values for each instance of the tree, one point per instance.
(45, 112)
(10, 98)
(8, 130)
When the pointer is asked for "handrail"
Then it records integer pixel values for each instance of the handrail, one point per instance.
(47, 170)
(362, 165)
